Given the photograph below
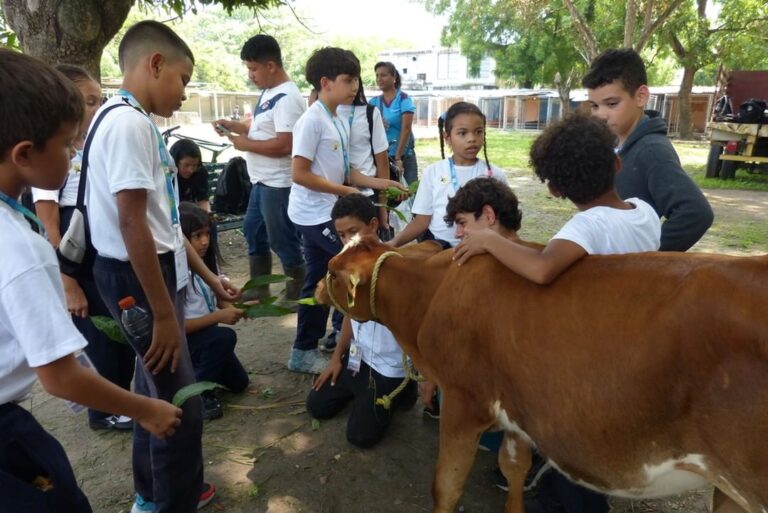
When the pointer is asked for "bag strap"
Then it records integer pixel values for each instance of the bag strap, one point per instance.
(369, 115)
(86, 150)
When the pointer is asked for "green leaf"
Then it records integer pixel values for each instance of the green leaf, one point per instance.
(265, 280)
(315, 424)
(308, 301)
(393, 193)
(399, 214)
(109, 327)
(184, 393)
(413, 187)
(266, 310)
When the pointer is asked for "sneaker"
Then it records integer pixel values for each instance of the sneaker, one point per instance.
(212, 407)
(141, 505)
(308, 361)
(113, 423)
(328, 345)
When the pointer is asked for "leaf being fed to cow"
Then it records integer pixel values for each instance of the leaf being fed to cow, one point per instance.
(265, 279)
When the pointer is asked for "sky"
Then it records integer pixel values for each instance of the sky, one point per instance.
(406, 20)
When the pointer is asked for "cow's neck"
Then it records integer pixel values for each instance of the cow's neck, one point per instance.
(404, 289)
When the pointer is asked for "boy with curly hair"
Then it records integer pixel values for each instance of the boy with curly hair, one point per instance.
(576, 159)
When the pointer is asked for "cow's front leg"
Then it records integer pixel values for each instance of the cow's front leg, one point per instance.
(514, 461)
(460, 432)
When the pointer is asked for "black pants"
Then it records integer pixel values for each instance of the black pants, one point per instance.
(557, 494)
(212, 350)
(368, 422)
(26, 452)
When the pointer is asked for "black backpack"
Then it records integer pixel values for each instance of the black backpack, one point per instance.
(233, 188)
(752, 111)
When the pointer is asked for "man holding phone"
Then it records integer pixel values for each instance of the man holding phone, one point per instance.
(267, 140)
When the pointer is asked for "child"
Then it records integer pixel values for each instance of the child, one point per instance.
(211, 347)
(193, 176)
(142, 253)
(267, 139)
(114, 362)
(36, 333)
(320, 168)
(617, 90)
(378, 371)
(576, 160)
(465, 134)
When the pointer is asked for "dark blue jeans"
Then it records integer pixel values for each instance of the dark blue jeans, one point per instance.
(318, 248)
(28, 451)
(212, 350)
(168, 472)
(267, 224)
(410, 167)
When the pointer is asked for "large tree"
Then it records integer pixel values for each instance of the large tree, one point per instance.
(76, 31)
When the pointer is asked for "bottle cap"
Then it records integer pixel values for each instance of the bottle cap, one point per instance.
(127, 303)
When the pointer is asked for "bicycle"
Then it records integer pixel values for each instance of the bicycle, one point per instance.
(215, 148)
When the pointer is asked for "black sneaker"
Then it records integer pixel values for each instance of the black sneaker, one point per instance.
(328, 345)
(212, 407)
(112, 423)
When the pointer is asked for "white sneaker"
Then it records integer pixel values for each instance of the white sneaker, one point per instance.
(307, 361)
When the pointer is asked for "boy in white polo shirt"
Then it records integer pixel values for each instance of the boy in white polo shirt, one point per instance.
(320, 170)
(37, 336)
(141, 252)
(267, 139)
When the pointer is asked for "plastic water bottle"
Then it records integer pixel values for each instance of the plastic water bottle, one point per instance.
(136, 321)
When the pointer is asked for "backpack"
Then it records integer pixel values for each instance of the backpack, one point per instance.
(233, 189)
(752, 111)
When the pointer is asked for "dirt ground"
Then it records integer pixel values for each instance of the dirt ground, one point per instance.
(266, 455)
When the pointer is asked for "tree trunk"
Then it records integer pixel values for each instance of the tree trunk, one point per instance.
(564, 92)
(67, 31)
(684, 103)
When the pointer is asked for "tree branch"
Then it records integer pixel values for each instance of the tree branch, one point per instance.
(586, 35)
(629, 23)
(649, 30)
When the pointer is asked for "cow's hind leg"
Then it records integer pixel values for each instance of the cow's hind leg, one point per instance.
(460, 430)
(721, 503)
(514, 460)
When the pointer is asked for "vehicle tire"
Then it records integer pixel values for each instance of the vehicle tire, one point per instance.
(714, 163)
(728, 169)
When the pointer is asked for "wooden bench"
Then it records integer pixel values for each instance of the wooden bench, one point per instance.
(224, 222)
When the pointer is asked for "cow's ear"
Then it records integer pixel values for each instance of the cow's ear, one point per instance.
(350, 279)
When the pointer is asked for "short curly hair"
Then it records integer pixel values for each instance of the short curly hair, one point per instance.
(576, 156)
(481, 191)
(354, 205)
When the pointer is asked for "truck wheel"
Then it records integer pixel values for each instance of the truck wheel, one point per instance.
(713, 161)
(728, 169)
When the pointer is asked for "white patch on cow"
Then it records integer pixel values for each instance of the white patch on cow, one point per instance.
(503, 422)
(351, 243)
(512, 449)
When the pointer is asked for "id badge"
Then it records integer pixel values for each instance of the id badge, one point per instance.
(182, 271)
(355, 357)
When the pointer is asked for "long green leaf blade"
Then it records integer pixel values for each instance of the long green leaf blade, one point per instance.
(184, 393)
(109, 327)
(265, 280)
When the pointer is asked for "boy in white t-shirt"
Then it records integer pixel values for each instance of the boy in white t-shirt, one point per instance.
(37, 337)
(267, 139)
(320, 169)
(575, 157)
(141, 252)
(367, 363)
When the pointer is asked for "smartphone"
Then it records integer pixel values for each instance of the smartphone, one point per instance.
(223, 130)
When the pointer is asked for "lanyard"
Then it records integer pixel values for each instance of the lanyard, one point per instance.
(164, 157)
(18, 207)
(343, 137)
(454, 180)
(204, 289)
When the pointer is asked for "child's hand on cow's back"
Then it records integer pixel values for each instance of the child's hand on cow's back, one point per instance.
(473, 244)
(160, 418)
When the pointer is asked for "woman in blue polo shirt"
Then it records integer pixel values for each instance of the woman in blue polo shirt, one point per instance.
(397, 110)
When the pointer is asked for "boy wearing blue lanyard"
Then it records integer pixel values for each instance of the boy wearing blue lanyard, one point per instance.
(132, 205)
(37, 337)
(321, 172)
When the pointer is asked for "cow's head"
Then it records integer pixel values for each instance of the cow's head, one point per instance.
(347, 284)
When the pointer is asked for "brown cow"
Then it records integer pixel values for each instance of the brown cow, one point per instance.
(637, 375)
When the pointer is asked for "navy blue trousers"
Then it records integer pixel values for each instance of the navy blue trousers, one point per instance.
(168, 472)
(26, 452)
(212, 350)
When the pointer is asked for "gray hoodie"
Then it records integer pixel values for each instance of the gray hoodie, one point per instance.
(651, 171)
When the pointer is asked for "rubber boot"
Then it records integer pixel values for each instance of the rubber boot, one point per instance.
(293, 287)
(260, 265)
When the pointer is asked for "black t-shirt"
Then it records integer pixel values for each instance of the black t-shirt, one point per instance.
(194, 188)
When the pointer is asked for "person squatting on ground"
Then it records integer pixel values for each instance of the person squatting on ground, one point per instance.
(37, 337)
(367, 363)
(114, 362)
(192, 179)
(142, 253)
(211, 347)
(267, 139)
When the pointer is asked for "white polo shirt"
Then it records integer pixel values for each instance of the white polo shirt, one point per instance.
(379, 348)
(35, 327)
(360, 157)
(318, 137)
(436, 188)
(68, 192)
(279, 109)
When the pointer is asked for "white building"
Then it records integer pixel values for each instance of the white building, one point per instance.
(440, 68)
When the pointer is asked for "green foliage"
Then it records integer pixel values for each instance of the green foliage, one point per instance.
(8, 38)
(184, 393)
(265, 279)
(109, 327)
